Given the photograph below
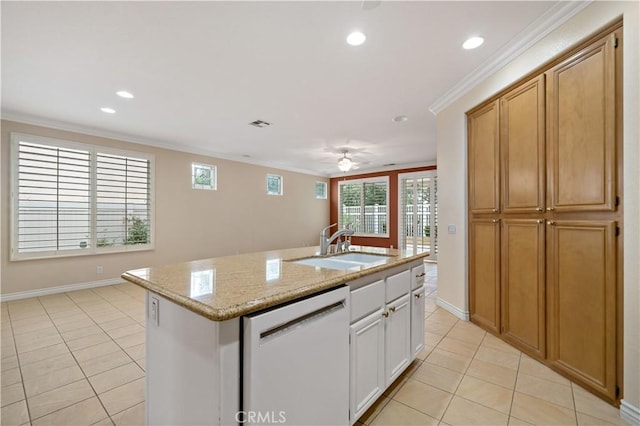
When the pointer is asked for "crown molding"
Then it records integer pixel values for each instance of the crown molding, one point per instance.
(534, 32)
(123, 137)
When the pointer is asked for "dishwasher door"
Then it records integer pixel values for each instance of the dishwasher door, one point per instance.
(296, 363)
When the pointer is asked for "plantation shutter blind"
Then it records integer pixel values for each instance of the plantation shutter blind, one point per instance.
(406, 217)
(53, 198)
(350, 205)
(364, 205)
(122, 200)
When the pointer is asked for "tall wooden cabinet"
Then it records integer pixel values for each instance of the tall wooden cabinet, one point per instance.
(544, 159)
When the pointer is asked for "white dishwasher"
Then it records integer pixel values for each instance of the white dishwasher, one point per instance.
(296, 362)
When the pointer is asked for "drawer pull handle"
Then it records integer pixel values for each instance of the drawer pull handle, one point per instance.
(421, 275)
(549, 209)
(417, 296)
(539, 209)
(392, 309)
(385, 314)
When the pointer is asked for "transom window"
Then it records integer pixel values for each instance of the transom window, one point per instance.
(71, 199)
(364, 203)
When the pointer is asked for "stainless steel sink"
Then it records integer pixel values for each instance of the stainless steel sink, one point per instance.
(343, 261)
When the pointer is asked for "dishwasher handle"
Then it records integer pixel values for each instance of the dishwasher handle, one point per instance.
(303, 320)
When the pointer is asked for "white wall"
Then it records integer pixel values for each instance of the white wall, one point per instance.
(189, 224)
(452, 166)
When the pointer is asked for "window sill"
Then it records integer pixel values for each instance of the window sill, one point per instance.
(79, 253)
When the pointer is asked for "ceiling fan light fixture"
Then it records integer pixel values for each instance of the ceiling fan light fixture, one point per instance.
(345, 163)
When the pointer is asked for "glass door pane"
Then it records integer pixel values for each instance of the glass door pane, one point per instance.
(418, 221)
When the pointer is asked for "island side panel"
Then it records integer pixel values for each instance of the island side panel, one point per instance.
(189, 359)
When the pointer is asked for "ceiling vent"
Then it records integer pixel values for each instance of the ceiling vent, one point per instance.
(259, 123)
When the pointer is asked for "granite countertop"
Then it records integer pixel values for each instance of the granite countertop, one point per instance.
(223, 288)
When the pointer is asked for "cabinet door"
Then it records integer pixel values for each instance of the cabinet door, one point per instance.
(397, 338)
(484, 159)
(523, 284)
(581, 286)
(522, 147)
(581, 115)
(417, 321)
(367, 363)
(484, 273)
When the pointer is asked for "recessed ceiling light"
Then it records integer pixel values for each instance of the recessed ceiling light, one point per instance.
(356, 38)
(108, 110)
(473, 42)
(124, 94)
(400, 118)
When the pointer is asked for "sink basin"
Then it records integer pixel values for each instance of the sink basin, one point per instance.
(343, 261)
(361, 257)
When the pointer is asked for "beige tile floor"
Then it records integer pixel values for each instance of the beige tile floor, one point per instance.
(78, 359)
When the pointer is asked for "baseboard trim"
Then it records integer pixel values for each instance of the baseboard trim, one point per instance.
(463, 315)
(630, 413)
(59, 289)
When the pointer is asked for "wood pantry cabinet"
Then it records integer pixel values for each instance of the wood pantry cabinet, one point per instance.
(545, 214)
(484, 271)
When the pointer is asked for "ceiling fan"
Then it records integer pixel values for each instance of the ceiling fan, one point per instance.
(346, 163)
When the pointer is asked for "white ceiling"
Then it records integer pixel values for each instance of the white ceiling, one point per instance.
(201, 71)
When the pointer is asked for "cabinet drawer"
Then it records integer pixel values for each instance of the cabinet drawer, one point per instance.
(366, 300)
(417, 277)
(398, 285)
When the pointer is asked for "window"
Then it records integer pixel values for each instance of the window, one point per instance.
(274, 185)
(71, 199)
(203, 176)
(321, 190)
(365, 203)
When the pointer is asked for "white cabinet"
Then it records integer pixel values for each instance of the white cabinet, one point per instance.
(417, 276)
(382, 333)
(367, 362)
(417, 321)
(397, 338)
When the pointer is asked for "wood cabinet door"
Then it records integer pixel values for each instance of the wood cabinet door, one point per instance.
(581, 111)
(523, 284)
(484, 159)
(581, 301)
(397, 338)
(522, 147)
(367, 363)
(484, 273)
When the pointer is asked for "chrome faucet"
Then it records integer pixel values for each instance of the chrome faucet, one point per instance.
(325, 241)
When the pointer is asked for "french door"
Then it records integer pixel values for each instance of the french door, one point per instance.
(418, 213)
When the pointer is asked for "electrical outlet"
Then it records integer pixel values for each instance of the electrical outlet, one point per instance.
(451, 229)
(154, 311)
(99, 269)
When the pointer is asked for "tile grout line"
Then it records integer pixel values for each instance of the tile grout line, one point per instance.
(117, 344)
(15, 347)
(76, 360)
(463, 375)
(515, 384)
(573, 398)
(77, 364)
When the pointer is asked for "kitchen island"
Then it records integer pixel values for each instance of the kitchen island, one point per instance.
(194, 350)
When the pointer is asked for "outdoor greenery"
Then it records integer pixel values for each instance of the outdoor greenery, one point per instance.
(373, 194)
(137, 231)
